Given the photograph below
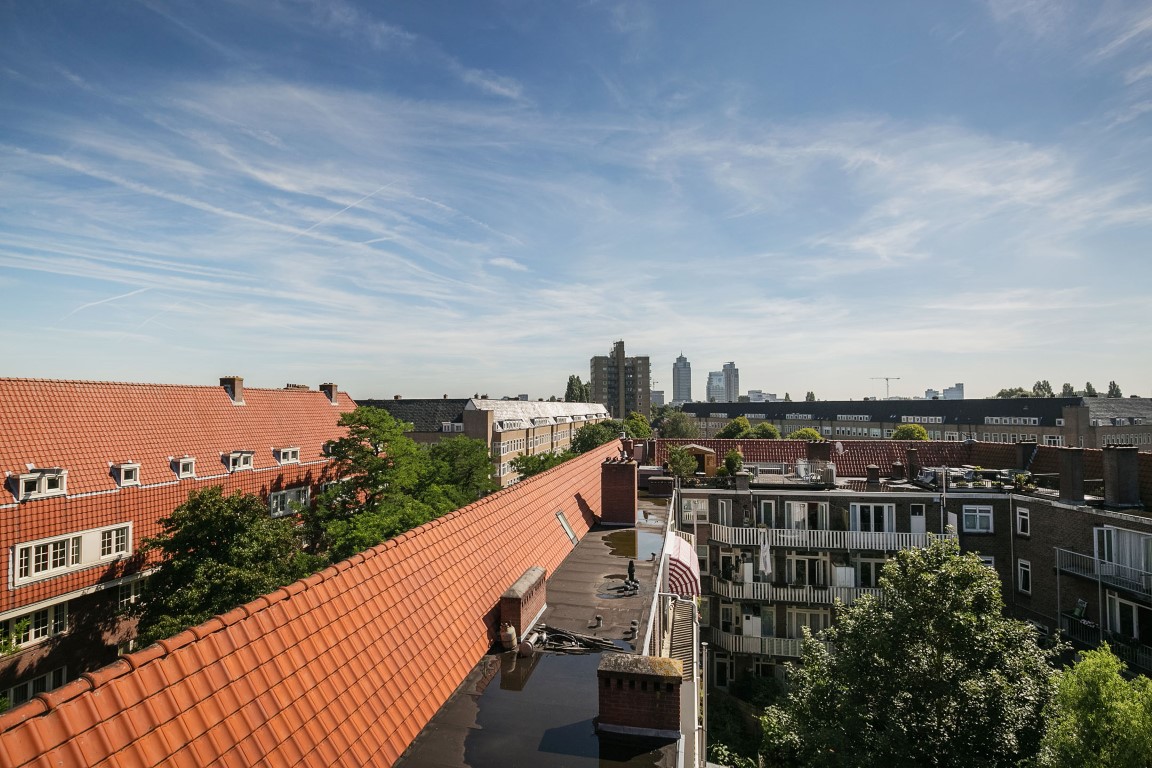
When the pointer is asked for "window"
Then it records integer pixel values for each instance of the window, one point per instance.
(281, 503)
(766, 510)
(988, 560)
(875, 518)
(114, 541)
(130, 593)
(1122, 617)
(977, 519)
(806, 571)
(694, 510)
(127, 474)
(238, 460)
(37, 625)
(42, 483)
(48, 558)
(1024, 576)
(868, 572)
(1023, 522)
(288, 455)
(184, 467)
(22, 692)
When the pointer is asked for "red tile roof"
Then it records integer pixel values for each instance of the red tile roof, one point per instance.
(342, 668)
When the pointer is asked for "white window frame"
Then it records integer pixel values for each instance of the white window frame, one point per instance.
(115, 542)
(48, 483)
(128, 593)
(240, 460)
(59, 555)
(693, 510)
(26, 689)
(978, 513)
(280, 502)
(873, 565)
(290, 455)
(1023, 521)
(42, 624)
(185, 467)
(127, 474)
(889, 517)
(1024, 576)
(987, 560)
(1115, 602)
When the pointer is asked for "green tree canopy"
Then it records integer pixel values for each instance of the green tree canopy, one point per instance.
(681, 462)
(1089, 390)
(810, 397)
(733, 462)
(932, 674)
(576, 392)
(678, 424)
(765, 431)
(637, 426)
(457, 469)
(735, 429)
(805, 433)
(527, 466)
(1042, 389)
(1067, 390)
(216, 552)
(1114, 390)
(392, 515)
(910, 432)
(1014, 392)
(592, 436)
(1098, 719)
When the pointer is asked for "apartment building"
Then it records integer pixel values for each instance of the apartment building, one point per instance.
(90, 469)
(1083, 422)
(809, 524)
(509, 428)
(622, 383)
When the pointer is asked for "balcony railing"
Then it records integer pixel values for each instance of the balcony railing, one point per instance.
(1124, 577)
(789, 538)
(764, 646)
(770, 593)
(1090, 635)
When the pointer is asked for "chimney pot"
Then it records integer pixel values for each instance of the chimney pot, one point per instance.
(234, 386)
(897, 470)
(873, 474)
(395, 397)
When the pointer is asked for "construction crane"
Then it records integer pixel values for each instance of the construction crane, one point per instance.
(887, 381)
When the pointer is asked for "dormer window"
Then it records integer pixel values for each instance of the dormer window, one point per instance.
(184, 467)
(238, 460)
(288, 455)
(127, 474)
(42, 483)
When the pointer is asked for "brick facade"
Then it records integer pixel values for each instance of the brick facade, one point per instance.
(639, 695)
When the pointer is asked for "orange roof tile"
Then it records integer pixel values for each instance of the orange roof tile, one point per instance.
(276, 681)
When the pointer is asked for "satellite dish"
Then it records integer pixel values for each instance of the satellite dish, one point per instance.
(839, 447)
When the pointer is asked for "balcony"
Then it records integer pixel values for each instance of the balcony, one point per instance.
(770, 593)
(789, 538)
(763, 646)
(1132, 580)
(1089, 635)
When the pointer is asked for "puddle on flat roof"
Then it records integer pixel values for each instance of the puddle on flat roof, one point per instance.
(635, 544)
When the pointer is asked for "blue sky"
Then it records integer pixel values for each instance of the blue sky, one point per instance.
(428, 198)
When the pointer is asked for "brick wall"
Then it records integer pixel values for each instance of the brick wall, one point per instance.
(639, 694)
(524, 600)
(618, 500)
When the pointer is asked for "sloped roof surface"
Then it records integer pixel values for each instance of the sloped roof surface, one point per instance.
(86, 426)
(426, 415)
(1113, 407)
(530, 409)
(342, 668)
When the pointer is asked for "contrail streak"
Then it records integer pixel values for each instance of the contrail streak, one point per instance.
(103, 301)
(342, 210)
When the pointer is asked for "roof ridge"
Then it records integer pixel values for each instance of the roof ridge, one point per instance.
(247, 387)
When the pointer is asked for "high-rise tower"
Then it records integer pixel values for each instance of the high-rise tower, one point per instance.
(681, 380)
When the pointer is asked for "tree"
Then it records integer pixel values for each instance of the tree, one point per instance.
(787, 397)
(910, 432)
(1067, 390)
(216, 552)
(681, 463)
(1114, 390)
(577, 392)
(810, 397)
(391, 516)
(733, 462)
(458, 470)
(374, 459)
(804, 433)
(1042, 389)
(1098, 719)
(931, 674)
(678, 424)
(528, 465)
(735, 429)
(637, 426)
(1089, 390)
(766, 431)
(1014, 392)
(592, 436)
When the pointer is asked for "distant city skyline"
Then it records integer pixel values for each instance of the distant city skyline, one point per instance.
(430, 198)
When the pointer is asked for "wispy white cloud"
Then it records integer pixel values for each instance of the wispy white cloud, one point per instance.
(506, 263)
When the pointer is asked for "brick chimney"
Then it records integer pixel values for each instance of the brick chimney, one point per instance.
(873, 474)
(639, 695)
(913, 463)
(1072, 475)
(819, 450)
(234, 386)
(897, 470)
(330, 390)
(1025, 450)
(1121, 476)
(618, 497)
